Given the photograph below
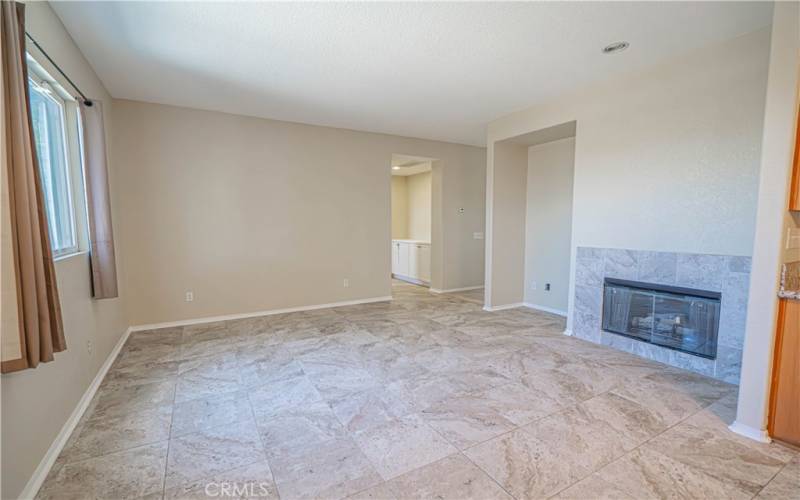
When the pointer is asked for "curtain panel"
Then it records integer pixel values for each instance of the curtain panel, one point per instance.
(41, 331)
(101, 234)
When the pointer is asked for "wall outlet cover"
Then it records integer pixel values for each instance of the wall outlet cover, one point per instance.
(477, 236)
(792, 238)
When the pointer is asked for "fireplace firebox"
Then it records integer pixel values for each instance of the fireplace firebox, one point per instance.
(682, 319)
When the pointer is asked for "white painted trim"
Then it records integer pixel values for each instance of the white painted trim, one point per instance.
(270, 312)
(546, 309)
(503, 307)
(568, 333)
(43, 469)
(451, 290)
(759, 435)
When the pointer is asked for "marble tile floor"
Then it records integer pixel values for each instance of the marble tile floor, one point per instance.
(426, 396)
(475, 295)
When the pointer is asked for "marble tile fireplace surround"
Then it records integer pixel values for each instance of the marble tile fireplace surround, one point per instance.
(728, 275)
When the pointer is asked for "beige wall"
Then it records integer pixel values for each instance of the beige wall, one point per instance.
(507, 230)
(666, 159)
(440, 217)
(36, 403)
(548, 223)
(399, 207)
(776, 159)
(412, 206)
(254, 214)
(419, 206)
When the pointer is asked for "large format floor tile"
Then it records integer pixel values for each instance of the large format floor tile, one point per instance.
(299, 427)
(128, 474)
(101, 434)
(333, 469)
(250, 481)
(209, 452)
(785, 484)
(647, 474)
(403, 445)
(716, 452)
(426, 396)
(130, 399)
(527, 467)
(213, 411)
(452, 478)
(465, 420)
(593, 487)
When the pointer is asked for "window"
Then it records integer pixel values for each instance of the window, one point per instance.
(52, 118)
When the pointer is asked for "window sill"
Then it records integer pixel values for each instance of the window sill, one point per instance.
(68, 256)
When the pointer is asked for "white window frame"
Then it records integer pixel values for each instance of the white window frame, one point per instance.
(74, 159)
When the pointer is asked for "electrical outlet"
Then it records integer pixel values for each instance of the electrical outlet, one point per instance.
(547, 287)
(346, 283)
(189, 296)
(792, 238)
(461, 210)
(89, 346)
(477, 236)
(533, 285)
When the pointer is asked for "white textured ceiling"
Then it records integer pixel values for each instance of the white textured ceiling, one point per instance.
(431, 70)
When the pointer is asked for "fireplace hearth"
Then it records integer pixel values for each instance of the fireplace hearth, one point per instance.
(683, 319)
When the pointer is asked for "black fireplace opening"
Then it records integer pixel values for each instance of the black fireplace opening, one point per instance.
(682, 319)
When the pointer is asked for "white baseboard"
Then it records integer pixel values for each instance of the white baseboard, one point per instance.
(503, 307)
(270, 312)
(759, 435)
(43, 469)
(546, 309)
(451, 290)
(568, 333)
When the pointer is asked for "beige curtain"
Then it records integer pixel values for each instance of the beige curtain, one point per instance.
(41, 330)
(101, 235)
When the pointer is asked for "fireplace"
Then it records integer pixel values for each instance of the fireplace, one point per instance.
(683, 319)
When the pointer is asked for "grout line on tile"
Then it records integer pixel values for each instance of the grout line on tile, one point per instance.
(169, 439)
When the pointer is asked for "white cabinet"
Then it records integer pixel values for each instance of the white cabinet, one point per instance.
(402, 261)
(400, 258)
(395, 257)
(424, 263)
(411, 259)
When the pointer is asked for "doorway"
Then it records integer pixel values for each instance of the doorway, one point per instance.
(412, 218)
